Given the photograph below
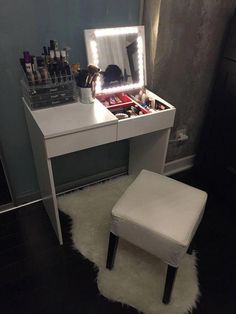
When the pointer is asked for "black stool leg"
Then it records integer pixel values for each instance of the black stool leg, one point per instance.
(113, 242)
(170, 278)
(190, 248)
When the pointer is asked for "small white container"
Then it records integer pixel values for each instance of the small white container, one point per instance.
(86, 95)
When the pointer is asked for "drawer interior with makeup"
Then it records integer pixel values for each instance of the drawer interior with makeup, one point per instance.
(120, 86)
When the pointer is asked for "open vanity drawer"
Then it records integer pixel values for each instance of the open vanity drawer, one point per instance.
(138, 112)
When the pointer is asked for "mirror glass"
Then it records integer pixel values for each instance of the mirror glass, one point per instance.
(119, 53)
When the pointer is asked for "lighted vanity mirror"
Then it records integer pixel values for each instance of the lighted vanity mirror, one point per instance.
(120, 86)
(120, 54)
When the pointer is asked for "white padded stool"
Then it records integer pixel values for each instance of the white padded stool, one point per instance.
(159, 215)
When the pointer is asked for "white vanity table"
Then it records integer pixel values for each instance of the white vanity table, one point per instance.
(73, 127)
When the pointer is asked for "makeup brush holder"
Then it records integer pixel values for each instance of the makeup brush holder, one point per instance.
(86, 95)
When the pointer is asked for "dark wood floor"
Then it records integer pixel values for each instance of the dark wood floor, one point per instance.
(39, 276)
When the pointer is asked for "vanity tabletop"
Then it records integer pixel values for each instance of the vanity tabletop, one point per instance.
(71, 118)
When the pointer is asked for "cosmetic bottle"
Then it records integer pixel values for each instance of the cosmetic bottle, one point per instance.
(65, 64)
(37, 75)
(42, 68)
(56, 45)
(51, 66)
(27, 59)
(53, 45)
(57, 65)
(28, 68)
(46, 55)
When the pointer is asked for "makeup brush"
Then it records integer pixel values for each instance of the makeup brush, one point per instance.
(93, 73)
(93, 69)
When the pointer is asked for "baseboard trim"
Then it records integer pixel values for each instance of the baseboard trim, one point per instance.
(179, 165)
(32, 196)
(6, 207)
(67, 187)
(28, 198)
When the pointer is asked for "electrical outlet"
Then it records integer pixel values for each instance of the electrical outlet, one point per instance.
(180, 132)
(181, 135)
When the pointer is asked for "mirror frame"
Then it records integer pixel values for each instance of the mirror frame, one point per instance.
(91, 36)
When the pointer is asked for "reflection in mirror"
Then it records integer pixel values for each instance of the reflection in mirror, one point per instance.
(119, 54)
(114, 60)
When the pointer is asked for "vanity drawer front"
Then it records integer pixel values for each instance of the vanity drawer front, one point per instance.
(145, 124)
(69, 143)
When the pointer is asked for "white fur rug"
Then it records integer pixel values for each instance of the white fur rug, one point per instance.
(137, 278)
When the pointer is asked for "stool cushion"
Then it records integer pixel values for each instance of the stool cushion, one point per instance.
(159, 214)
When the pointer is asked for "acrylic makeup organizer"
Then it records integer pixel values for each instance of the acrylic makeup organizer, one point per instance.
(49, 93)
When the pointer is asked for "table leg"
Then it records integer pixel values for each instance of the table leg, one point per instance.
(44, 174)
(50, 203)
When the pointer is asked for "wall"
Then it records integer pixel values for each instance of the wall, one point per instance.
(29, 25)
(186, 54)
(187, 47)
